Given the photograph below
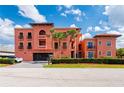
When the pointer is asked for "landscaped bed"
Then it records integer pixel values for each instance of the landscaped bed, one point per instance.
(86, 63)
(6, 62)
(83, 65)
(3, 65)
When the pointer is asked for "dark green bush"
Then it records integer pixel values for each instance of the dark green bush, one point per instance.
(7, 61)
(97, 61)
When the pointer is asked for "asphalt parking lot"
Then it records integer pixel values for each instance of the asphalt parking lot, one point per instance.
(37, 76)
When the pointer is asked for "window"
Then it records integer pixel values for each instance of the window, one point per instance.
(56, 46)
(72, 45)
(29, 35)
(100, 42)
(90, 45)
(42, 43)
(80, 47)
(20, 45)
(42, 32)
(64, 45)
(108, 43)
(108, 53)
(20, 35)
(29, 45)
(100, 53)
(90, 54)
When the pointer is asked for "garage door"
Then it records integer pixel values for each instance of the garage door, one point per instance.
(41, 56)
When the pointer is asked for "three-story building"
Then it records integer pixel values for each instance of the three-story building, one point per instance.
(36, 43)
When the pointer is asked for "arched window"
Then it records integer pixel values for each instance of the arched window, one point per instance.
(42, 32)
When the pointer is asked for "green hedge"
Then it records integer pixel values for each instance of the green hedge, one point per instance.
(98, 61)
(7, 61)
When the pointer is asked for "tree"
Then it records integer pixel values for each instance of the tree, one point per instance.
(120, 52)
(73, 34)
(59, 36)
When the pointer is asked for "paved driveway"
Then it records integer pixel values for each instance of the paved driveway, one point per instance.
(69, 77)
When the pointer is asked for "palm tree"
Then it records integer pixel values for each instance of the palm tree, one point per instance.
(59, 36)
(52, 31)
(73, 34)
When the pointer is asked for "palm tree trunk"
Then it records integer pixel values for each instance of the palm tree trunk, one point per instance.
(75, 48)
(60, 47)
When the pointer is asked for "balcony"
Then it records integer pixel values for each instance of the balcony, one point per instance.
(29, 47)
(20, 47)
(29, 37)
(42, 36)
(42, 46)
(21, 37)
(90, 47)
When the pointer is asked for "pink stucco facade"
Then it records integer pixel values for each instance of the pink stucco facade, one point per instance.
(103, 45)
(41, 46)
(36, 43)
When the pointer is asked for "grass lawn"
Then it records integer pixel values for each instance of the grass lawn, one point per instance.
(3, 65)
(83, 66)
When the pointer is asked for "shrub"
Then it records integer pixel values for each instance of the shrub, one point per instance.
(80, 60)
(7, 61)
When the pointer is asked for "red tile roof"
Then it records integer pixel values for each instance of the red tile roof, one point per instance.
(41, 24)
(107, 35)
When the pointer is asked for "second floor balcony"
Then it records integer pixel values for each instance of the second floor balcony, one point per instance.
(29, 47)
(42, 36)
(21, 37)
(91, 47)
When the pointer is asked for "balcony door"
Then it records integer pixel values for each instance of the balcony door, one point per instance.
(90, 54)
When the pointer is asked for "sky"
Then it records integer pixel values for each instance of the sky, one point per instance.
(91, 19)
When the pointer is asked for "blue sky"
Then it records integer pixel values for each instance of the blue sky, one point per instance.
(91, 19)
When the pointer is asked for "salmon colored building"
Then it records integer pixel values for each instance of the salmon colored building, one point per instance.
(102, 45)
(36, 43)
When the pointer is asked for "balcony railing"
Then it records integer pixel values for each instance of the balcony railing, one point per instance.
(29, 37)
(20, 47)
(29, 47)
(91, 47)
(42, 46)
(42, 36)
(20, 37)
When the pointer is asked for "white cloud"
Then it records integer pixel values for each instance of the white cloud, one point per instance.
(106, 28)
(59, 7)
(89, 29)
(63, 14)
(6, 28)
(70, 10)
(27, 26)
(74, 12)
(87, 35)
(78, 18)
(116, 20)
(18, 26)
(7, 47)
(106, 10)
(77, 13)
(115, 15)
(114, 32)
(97, 28)
(68, 6)
(30, 11)
(6, 33)
(73, 25)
